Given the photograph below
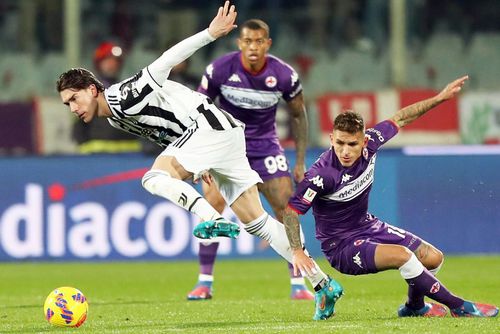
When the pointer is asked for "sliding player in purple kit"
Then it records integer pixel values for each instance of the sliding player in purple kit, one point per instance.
(250, 84)
(355, 242)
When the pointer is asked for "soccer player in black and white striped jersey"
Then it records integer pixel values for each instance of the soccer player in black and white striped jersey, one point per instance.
(199, 139)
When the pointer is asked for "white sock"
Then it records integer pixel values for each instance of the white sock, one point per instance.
(160, 183)
(412, 268)
(205, 278)
(269, 229)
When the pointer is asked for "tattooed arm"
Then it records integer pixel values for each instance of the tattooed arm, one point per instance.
(412, 112)
(300, 260)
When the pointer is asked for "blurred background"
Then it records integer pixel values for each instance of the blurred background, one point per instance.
(64, 181)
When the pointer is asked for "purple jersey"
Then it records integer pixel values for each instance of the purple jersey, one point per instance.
(251, 98)
(339, 195)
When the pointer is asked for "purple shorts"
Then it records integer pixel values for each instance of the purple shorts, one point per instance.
(268, 159)
(356, 255)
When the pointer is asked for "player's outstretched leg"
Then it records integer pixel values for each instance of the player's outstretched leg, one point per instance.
(471, 309)
(325, 299)
(220, 227)
(429, 310)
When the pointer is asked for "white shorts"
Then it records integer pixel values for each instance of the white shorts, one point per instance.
(222, 153)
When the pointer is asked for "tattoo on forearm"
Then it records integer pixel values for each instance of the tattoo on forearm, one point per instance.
(292, 228)
(414, 111)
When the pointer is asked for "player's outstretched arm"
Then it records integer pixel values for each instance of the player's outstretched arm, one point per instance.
(412, 112)
(301, 262)
(221, 25)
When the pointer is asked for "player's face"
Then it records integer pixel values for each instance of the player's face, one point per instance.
(254, 45)
(348, 147)
(82, 103)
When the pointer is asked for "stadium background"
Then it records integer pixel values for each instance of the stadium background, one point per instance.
(439, 178)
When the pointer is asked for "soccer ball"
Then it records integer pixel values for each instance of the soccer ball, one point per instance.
(66, 307)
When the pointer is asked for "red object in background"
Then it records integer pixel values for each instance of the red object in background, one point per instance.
(330, 105)
(442, 118)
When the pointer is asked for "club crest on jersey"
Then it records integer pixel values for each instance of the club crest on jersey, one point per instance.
(358, 242)
(271, 81)
(309, 195)
(435, 287)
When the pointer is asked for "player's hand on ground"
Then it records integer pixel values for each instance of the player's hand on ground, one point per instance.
(452, 88)
(303, 263)
(298, 172)
(223, 22)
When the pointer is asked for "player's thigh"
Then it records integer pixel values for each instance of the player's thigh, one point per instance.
(389, 256)
(213, 196)
(277, 192)
(430, 256)
(172, 166)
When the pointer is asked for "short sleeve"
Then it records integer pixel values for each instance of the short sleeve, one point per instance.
(315, 184)
(380, 134)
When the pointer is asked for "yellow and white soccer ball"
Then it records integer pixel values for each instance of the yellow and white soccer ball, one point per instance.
(66, 307)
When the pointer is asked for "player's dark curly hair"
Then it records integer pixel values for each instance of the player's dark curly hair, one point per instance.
(78, 78)
(350, 122)
(255, 24)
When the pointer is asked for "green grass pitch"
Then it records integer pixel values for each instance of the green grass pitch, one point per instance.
(251, 296)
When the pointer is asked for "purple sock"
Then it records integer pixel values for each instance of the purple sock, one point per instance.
(207, 256)
(428, 285)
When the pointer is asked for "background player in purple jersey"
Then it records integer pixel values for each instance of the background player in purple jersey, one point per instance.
(201, 141)
(355, 242)
(249, 84)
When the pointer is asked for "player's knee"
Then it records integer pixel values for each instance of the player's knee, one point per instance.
(436, 261)
(153, 179)
(402, 256)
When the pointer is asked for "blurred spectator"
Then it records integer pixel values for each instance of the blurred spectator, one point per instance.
(98, 136)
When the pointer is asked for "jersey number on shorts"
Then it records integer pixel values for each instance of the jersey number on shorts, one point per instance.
(396, 231)
(274, 164)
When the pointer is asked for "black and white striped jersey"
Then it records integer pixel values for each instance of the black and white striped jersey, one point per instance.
(150, 106)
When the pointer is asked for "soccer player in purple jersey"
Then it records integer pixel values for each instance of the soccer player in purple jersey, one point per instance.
(355, 242)
(200, 141)
(249, 85)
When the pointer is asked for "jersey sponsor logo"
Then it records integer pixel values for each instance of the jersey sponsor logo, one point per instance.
(309, 195)
(435, 287)
(365, 153)
(357, 260)
(345, 178)
(271, 81)
(356, 186)
(317, 181)
(234, 78)
(250, 98)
